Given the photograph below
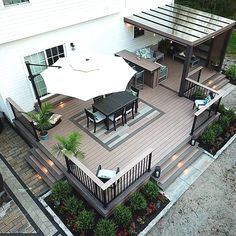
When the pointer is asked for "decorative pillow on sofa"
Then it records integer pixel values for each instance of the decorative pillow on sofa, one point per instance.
(144, 53)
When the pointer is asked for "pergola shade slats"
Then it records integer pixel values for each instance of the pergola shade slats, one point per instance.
(190, 20)
(181, 24)
(176, 21)
(201, 13)
(161, 29)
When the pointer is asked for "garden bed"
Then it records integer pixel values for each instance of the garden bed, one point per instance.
(129, 218)
(220, 132)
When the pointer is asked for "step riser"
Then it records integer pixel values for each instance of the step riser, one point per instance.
(177, 160)
(43, 159)
(180, 170)
(44, 176)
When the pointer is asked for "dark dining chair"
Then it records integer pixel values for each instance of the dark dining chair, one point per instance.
(108, 94)
(129, 108)
(135, 92)
(98, 99)
(119, 114)
(94, 117)
(139, 79)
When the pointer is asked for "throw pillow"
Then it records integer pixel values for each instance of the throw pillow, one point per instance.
(207, 99)
(145, 53)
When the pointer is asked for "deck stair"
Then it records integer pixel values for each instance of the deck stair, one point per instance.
(177, 163)
(56, 99)
(44, 166)
(216, 81)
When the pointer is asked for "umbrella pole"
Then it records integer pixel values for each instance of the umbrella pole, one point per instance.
(31, 78)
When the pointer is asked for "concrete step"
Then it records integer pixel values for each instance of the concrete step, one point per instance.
(45, 161)
(188, 157)
(41, 170)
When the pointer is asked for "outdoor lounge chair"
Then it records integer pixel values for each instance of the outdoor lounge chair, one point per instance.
(98, 99)
(104, 174)
(129, 108)
(95, 117)
(198, 103)
(119, 114)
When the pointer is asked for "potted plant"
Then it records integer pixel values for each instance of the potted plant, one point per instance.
(69, 145)
(41, 119)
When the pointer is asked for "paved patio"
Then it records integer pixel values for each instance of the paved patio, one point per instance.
(23, 214)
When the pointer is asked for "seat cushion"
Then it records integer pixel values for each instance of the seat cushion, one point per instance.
(106, 174)
(99, 116)
(199, 102)
(207, 99)
(144, 53)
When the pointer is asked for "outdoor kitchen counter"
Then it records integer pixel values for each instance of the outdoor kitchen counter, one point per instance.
(151, 68)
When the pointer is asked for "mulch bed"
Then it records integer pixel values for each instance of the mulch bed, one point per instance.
(220, 141)
(139, 220)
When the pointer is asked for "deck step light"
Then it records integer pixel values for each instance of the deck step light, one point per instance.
(44, 170)
(157, 172)
(50, 163)
(180, 164)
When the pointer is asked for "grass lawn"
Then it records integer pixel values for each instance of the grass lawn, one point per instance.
(232, 44)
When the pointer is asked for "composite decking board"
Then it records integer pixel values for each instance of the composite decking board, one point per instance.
(167, 131)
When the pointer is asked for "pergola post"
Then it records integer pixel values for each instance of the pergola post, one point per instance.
(223, 50)
(188, 55)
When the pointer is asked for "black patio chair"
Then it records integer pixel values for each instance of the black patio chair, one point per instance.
(135, 92)
(139, 79)
(119, 114)
(129, 108)
(95, 117)
(98, 99)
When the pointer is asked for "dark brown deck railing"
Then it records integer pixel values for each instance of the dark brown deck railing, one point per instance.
(19, 115)
(107, 192)
(194, 88)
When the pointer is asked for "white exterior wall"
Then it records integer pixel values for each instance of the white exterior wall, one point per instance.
(107, 34)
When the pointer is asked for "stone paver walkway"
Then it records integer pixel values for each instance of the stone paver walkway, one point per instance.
(24, 213)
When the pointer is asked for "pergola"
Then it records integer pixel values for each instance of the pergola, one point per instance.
(189, 28)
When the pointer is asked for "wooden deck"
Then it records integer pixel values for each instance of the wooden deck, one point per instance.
(175, 69)
(164, 134)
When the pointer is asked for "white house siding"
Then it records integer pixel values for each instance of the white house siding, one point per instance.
(104, 35)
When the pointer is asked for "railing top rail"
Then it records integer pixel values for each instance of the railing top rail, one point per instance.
(127, 168)
(18, 108)
(216, 98)
(202, 85)
(110, 182)
(195, 71)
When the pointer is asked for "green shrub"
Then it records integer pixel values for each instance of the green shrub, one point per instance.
(209, 136)
(230, 114)
(231, 72)
(198, 94)
(73, 205)
(60, 191)
(105, 228)
(150, 190)
(138, 201)
(217, 128)
(222, 109)
(85, 220)
(122, 215)
(224, 122)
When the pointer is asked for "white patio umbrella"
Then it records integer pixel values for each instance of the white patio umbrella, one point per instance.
(87, 76)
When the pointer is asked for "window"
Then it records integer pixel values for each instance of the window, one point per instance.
(13, 2)
(54, 53)
(47, 57)
(138, 32)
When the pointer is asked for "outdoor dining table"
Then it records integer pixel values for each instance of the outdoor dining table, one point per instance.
(112, 103)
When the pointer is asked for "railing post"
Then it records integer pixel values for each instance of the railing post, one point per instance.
(199, 75)
(35, 132)
(149, 161)
(67, 163)
(217, 106)
(104, 198)
(194, 122)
